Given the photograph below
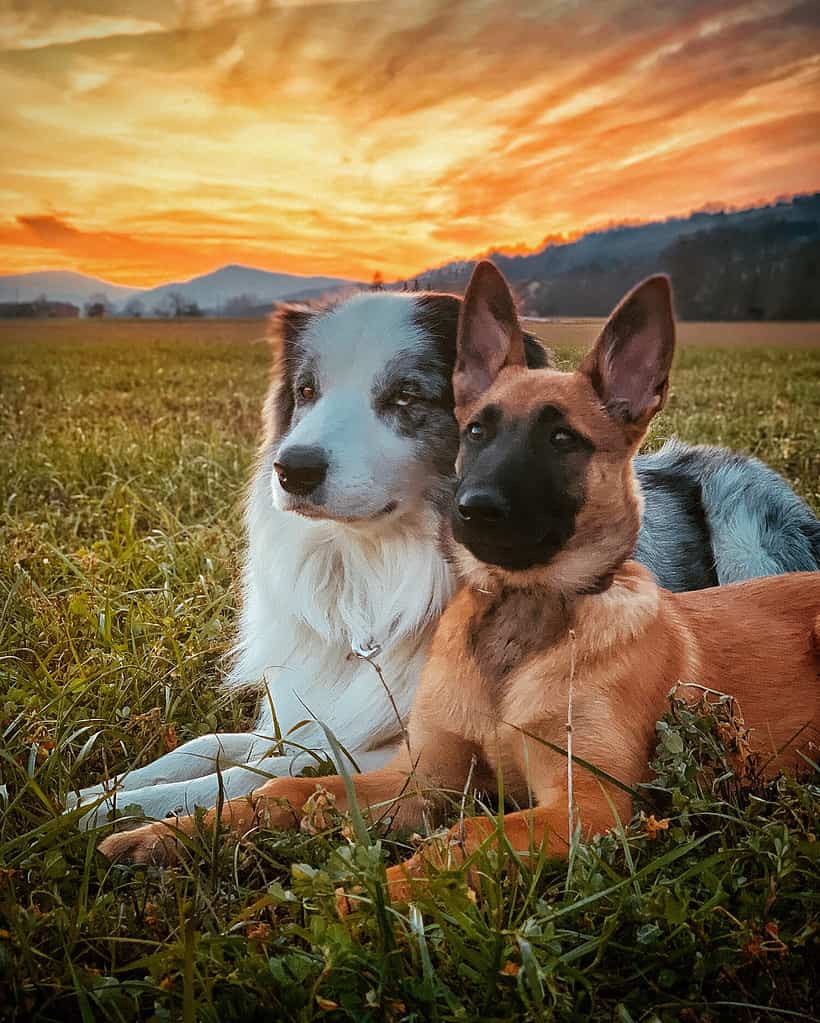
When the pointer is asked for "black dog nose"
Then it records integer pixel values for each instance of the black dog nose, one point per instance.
(301, 469)
(482, 506)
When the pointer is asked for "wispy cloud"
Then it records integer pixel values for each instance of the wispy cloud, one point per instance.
(31, 29)
(349, 137)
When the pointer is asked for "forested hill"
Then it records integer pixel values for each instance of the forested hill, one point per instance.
(762, 263)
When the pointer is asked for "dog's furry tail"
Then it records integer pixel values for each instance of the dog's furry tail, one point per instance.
(757, 524)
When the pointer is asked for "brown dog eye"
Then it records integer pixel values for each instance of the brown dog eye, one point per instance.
(403, 399)
(475, 431)
(307, 393)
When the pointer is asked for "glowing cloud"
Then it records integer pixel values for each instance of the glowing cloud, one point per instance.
(149, 140)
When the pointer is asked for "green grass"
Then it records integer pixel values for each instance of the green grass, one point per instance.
(124, 453)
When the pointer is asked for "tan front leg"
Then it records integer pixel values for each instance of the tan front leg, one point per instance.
(276, 804)
(542, 830)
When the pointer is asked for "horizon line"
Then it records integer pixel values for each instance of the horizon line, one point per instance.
(508, 250)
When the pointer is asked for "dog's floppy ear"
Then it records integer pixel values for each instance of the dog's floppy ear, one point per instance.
(629, 365)
(489, 334)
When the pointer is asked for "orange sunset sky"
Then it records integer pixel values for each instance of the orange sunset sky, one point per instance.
(148, 141)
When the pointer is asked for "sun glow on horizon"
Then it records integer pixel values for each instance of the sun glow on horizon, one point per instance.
(152, 141)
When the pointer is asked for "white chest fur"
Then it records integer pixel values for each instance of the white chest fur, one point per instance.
(316, 592)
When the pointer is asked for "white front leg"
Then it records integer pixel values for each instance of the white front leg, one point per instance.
(194, 759)
(181, 798)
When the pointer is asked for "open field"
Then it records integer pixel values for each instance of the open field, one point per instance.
(702, 335)
(124, 451)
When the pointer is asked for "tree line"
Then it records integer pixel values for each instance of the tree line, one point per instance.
(768, 273)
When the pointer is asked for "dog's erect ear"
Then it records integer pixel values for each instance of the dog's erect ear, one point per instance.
(629, 365)
(489, 334)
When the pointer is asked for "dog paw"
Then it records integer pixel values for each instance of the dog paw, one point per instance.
(411, 878)
(155, 845)
(400, 888)
(346, 903)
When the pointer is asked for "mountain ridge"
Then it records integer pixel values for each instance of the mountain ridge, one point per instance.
(59, 285)
(755, 263)
(208, 291)
(627, 240)
(758, 263)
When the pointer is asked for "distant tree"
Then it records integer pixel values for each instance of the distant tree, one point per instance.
(169, 305)
(134, 308)
(242, 305)
(98, 306)
(377, 284)
(177, 305)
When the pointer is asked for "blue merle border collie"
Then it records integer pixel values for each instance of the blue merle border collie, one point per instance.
(344, 570)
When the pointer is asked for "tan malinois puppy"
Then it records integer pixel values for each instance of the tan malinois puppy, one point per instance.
(552, 609)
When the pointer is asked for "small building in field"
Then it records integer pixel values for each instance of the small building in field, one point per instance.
(38, 310)
(63, 309)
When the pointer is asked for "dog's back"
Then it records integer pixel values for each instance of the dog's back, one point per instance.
(759, 641)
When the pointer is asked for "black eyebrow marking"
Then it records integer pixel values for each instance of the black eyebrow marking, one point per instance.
(551, 411)
(489, 414)
(554, 415)
(425, 369)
